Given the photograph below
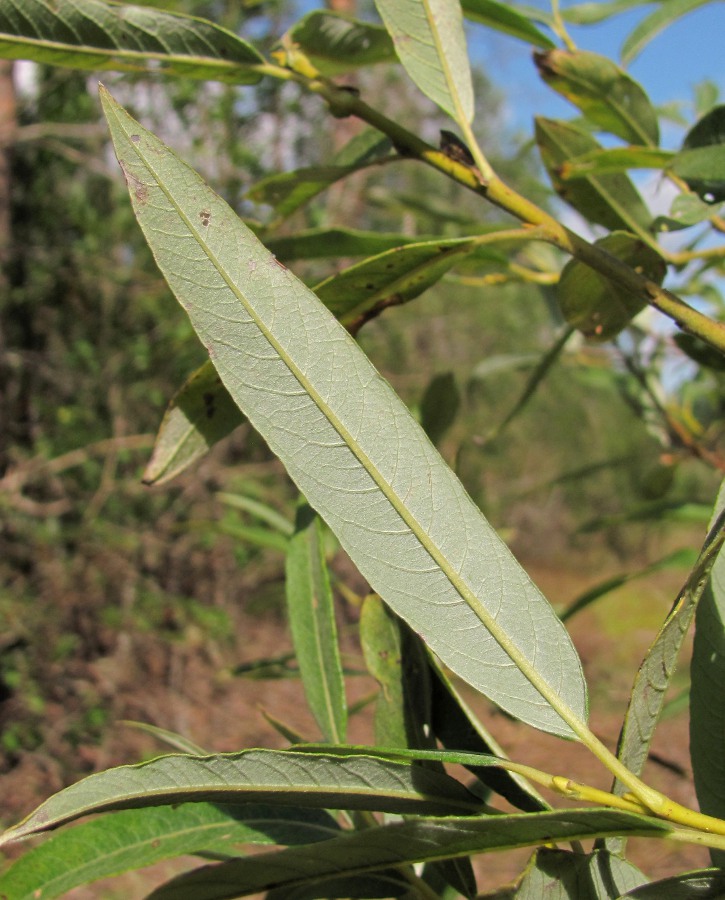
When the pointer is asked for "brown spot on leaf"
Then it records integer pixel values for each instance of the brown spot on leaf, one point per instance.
(205, 216)
(135, 138)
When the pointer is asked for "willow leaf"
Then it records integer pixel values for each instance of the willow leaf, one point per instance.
(88, 34)
(283, 777)
(431, 44)
(351, 445)
(134, 838)
(310, 607)
(397, 844)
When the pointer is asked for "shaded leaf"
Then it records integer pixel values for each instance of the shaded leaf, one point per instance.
(312, 619)
(351, 445)
(705, 884)
(595, 306)
(89, 34)
(134, 838)
(281, 777)
(200, 414)
(561, 875)
(707, 672)
(456, 726)
(504, 17)
(431, 44)
(703, 354)
(336, 43)
(608, 97)
(398, 844)
(649, 27)
(439, 405)
(317, 243)
(609, 200)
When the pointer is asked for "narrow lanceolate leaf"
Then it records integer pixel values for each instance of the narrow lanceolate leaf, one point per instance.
(312, 620)
(707, 884)
(200, 414)
(281, 777)
(351, 445)
(615, 160)
(649, 27)
(397, 276)
(607, 96)
(431, 44)
(609, 200)
(397, 660)
(595, 306)
(561, 874)
(504, 17)
(134, 838)
(399, 844)
(336, 43)
(707, 700)
(90, 34)
(589, 13)
(318, 243)
(288, 191)
(655, 673)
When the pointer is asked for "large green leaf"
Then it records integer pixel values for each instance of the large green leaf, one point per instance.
(562, 875)
(504, 17)
(665, 14)
(134, 838)
(607, 96)
(591, 303)
(351, 445)
(312, 620)
(398, 844)
(282, 777)
(609, 200)
(707, 699)
(336, 43)
(89, 34)
(200, 414)
(431, 44)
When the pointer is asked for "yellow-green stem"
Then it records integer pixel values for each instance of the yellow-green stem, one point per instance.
(483, 181)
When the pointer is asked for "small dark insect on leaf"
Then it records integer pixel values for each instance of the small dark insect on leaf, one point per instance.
(454, 148)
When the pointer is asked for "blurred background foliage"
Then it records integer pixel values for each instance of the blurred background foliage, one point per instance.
(103, 580)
